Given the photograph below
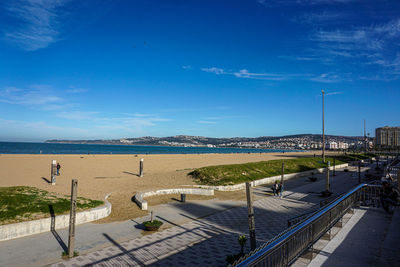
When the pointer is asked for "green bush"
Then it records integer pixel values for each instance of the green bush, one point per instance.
(154, 223)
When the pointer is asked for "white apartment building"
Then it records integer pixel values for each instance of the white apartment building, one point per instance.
(333, 145)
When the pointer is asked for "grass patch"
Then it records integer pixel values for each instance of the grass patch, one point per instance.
(24, 203)
(240, 173)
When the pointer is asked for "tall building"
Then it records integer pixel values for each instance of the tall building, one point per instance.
(388, 137)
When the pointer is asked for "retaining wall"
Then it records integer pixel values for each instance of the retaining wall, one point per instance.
(15, 230)
(139, 197)
(268, 180)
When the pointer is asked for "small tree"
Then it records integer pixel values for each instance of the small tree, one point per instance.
(242, 241)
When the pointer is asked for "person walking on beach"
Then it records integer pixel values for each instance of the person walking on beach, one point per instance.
(58, 169)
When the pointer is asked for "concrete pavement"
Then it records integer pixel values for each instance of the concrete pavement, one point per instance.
(191, 240)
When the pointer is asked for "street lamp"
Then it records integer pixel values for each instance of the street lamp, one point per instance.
(323, 128)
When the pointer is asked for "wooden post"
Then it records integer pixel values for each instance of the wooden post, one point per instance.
(151, 216)
(141, 168)
(252, 227)
(398, 180)
(334, 166)
(327, 185)
(183, 197)
(359, 172)
(72, 218)
(53, 172)
(282, 172)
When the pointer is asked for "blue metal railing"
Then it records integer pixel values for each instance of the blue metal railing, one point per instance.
(289, 245)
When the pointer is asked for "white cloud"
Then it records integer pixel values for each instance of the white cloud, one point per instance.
(261, 76)
(322, 17)
(214, 70)
(269, 3)
(76, 90)
(77, 115)
(38, 95)
(327, 78)
(244, 73)
(186, 67)
(334, 93)
(39, 22)
(207, 122)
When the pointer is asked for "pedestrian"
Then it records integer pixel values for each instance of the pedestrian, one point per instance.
(58, 169)
(275, 188)
(389, 197)
(280, 189)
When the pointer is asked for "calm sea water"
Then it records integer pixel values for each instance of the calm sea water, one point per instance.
(45, 148)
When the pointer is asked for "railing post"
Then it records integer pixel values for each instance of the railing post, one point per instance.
(72, 218)
(334, 166)
(250, 210)
(398, 179)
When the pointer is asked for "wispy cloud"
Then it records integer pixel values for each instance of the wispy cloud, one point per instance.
(214, 70)
(76, 90)
(325, 17)
(334, 93)
(36, 95)
(77, 115)
(38, 25)
(207, 122)
(244, 73)
(186, 67)
(269, 3)
(327, 78)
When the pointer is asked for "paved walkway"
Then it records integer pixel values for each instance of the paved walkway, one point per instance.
(370, 238)
(207, 241)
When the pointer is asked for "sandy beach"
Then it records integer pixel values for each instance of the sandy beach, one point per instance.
(99, 175)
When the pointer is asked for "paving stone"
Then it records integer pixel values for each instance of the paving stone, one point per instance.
(207, 241)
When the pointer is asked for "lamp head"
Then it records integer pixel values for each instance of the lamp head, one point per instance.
(323, 92)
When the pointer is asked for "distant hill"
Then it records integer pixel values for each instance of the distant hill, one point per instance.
(187, 140)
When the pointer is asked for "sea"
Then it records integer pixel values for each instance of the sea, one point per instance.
(51, 148)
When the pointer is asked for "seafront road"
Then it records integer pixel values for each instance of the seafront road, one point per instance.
(202, 233)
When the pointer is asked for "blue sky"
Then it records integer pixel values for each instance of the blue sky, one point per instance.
(88, 69)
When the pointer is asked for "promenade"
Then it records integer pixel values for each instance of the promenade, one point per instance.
(192, 240)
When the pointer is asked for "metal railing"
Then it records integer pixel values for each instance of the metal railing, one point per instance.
(294, 220)
(285, 248)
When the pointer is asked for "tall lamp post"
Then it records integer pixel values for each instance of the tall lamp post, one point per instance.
(323, 128)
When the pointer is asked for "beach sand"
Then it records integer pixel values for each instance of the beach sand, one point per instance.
(99, 175)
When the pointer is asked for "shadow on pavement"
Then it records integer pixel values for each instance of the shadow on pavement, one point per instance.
(53, 230)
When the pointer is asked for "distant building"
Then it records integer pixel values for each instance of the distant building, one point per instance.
(333, 145)
(343, 145)
(387, 137)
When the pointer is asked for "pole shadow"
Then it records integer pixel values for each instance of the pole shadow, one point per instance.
(53, 229)
(46, 180)
(131, 173)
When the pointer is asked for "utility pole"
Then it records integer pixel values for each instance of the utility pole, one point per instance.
(323, 128)
(365, 139)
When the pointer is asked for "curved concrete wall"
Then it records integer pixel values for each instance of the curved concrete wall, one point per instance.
(139, 197)
(268, 180)
(11, 231)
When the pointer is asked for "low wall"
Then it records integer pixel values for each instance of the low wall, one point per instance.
(268, 180)
(15, 230)
(139, 197)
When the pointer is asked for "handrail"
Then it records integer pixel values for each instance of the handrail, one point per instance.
(258, 255)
